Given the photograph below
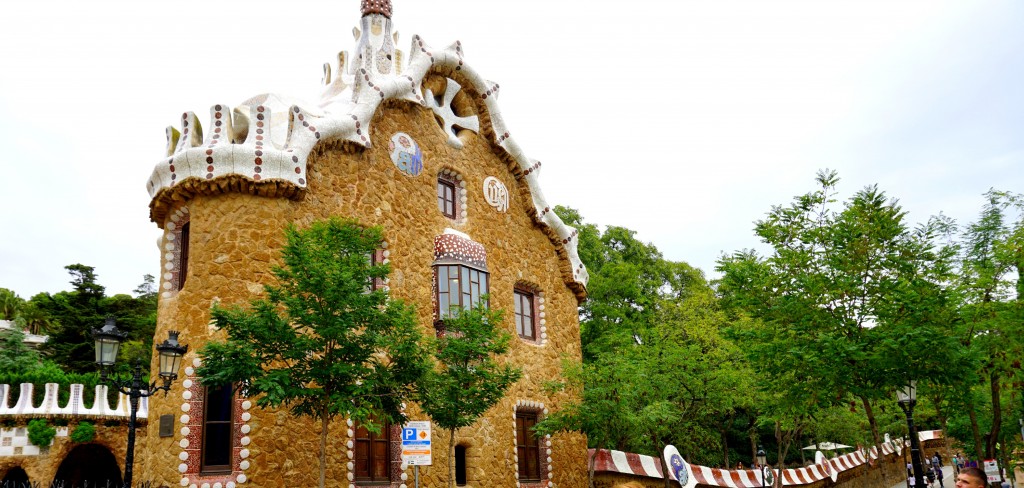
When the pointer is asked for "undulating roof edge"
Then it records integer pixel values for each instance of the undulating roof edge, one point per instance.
(263, 146)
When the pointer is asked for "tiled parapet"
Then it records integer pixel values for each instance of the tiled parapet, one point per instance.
(74, 407)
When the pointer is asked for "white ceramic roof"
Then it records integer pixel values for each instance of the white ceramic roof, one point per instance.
(263, 145)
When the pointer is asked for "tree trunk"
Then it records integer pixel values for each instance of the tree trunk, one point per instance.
(753, 442)
(979, 452)
(785, 440)
(877, 439)
(803, 459)
(323, 447)
(997, 414)
(664, 469)
(725, 443)
(451, 458)
(944, 423)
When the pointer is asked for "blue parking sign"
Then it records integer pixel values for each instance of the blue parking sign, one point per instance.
(408, 434)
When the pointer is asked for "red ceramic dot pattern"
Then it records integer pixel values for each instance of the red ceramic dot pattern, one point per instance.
(195, 438)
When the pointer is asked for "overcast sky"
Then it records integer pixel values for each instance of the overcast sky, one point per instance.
(683, 120)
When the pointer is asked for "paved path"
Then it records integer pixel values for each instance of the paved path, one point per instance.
(948, 480)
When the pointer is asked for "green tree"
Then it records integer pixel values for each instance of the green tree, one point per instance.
(992, 283)
(10, 304)
(16, 357)
(851, 299)
(627, 278)
(68, 317)
(470, 379)
(74, 313)
(33, 318)
(656, 368)
(321, 343)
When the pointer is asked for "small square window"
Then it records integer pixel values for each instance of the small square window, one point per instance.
(526, 323)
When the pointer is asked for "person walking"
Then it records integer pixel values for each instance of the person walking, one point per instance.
(956, 464)
(938, 476)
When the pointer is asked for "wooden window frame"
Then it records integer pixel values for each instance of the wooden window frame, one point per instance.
(376, 258)
(522, 298)
(204, 468)
(183, 255)
(369, 479)
(527, 450)
(473, 284)
(447, 195)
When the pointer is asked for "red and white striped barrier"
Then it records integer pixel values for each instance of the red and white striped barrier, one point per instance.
(607, 461)
(625, 462)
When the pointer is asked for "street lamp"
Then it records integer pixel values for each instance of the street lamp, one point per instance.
(907, 397)
(108, 341)
(767, 476)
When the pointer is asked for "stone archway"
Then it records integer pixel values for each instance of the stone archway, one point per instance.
(15, 477)
(89, 465)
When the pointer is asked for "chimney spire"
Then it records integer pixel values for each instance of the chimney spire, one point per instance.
(382, 7)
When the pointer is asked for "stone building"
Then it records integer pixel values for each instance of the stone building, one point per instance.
(415, 144)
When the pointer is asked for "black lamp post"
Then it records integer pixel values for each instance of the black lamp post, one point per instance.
(108, 341)
(762, 462)
(907, 398)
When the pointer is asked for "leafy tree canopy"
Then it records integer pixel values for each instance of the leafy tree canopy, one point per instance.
(322, 343)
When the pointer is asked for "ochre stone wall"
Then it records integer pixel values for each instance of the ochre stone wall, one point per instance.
(43, 467)
(235, 238)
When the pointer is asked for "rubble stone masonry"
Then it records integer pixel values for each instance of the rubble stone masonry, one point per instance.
(235, 238)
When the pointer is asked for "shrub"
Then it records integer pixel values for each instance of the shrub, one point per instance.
(85, 431)
(41, 433)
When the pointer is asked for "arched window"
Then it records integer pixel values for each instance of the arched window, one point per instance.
(527, 446)
(451, 195)
(175, 249)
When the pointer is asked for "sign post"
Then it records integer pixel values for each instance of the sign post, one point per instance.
(992, 471)
(416, 449)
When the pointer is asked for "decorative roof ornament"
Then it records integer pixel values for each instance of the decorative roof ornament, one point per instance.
(382, 7)
(375, 42)
(263, 146)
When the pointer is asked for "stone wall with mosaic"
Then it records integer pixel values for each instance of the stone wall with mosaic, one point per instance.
(419, 150)
(234, 239)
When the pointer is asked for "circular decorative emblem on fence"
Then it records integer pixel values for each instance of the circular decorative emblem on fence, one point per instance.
(406, 154)
(679, 467)
(495, 193)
